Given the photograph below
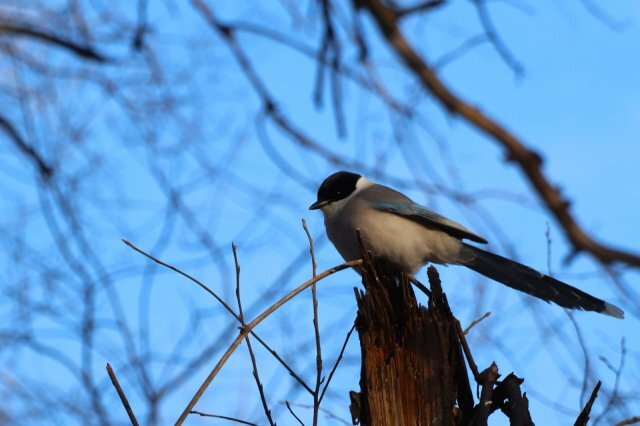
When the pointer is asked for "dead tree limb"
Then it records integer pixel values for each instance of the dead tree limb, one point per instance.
(487, 379)
(583, 418)
(508, 397)
(413, 369)
(413, 359)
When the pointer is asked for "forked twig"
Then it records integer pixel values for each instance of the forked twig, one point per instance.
(247, 329)
(228, 308)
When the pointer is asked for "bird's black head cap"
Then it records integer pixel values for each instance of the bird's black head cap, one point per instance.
(336, 187)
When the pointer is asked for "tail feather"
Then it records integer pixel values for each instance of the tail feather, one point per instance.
(532, 282)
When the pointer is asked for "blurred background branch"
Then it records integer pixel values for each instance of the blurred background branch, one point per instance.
(185, 126)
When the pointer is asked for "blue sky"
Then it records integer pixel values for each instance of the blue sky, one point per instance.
(577, 103)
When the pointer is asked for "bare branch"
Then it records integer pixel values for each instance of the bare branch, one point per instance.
(314, 265)
(467, 352)
(476, 321)
(316, 329)
(529, 161)
(425, 6)
(585, 353)
(292, 413)
(618, 373)
(217, 416)
(330, 53)
(514, 404)
(123, 397)
(141, 27)
(44, 168)
(83, 51)
(228, 308)
(629, 421)
(495, 39)
(246, 330)
(603, 16)
(487, 380)
(328, 413)
(457, 52)
(234, 249)
(254, 363)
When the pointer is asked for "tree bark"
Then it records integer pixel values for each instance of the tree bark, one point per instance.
(413, 370)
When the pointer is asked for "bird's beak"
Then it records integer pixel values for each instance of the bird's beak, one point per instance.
(318, 205)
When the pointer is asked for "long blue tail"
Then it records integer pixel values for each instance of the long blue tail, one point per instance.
(532, 282)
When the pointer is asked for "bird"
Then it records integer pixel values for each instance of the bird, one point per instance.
(406, 236)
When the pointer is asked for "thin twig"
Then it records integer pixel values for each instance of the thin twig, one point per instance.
(271, 110)
(142, 26)
(496, 40)
(123, 397)
(44, 168)
(247, 329)
(547, 236)
(458, 51)
(85, 52)
(467, 351)
(292, 413)
(374, 87)
(476, 321)
(217, 416)
(629, 421)
(314, 265)
(328, 413)
(585, 353)
(603, 16)
(316, 329)
(234, 249)
(335, 365)
(419, 8)
(254, 363)
(228, 308)
(329, 52)
(618, 373)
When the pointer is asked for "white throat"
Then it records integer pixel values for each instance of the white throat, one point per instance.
(335, 207)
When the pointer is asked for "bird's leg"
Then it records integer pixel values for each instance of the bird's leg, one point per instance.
(418, 284)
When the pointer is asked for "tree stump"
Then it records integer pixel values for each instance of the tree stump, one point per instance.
(413, 370)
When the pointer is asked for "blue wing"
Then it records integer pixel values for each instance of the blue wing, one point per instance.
(416, 212)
